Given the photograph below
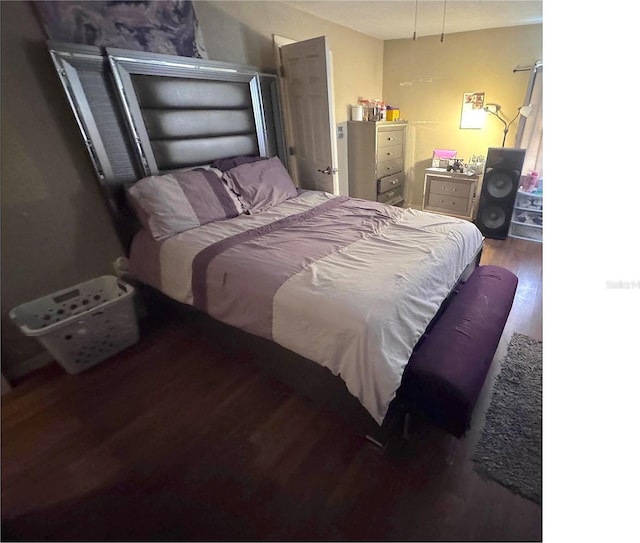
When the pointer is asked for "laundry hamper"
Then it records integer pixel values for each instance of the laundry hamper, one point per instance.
(83, 325)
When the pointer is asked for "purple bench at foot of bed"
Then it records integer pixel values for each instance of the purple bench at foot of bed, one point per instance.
(449, 365)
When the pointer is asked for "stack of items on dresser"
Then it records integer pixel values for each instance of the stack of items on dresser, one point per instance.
(374, 110)
(447, 159)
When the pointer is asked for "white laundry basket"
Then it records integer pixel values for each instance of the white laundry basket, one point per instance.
(82, 325)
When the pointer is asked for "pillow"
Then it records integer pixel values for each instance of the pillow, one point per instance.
(172, 203)
(261, 185)
(224, 164)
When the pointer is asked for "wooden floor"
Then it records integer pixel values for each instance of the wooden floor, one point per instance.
(180, 438)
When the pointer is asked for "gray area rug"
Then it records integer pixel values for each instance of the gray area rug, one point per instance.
(510, 448)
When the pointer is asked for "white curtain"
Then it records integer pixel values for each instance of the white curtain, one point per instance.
(529, 135)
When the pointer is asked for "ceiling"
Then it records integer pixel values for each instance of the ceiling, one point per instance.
(395, 19)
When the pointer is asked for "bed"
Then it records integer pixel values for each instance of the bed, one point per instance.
(191, 157)
(313, 274)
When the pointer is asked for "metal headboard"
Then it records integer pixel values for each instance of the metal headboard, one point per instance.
(144, 113)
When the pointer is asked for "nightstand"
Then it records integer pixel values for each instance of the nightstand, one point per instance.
(450, 193)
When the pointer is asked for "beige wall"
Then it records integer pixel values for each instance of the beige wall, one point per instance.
(427, 79)
(55, 228)
(243, 32)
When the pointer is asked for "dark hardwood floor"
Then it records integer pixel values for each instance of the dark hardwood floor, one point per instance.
(180, 437)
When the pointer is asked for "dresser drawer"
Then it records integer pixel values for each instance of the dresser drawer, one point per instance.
(389, 167)
(446, 187)
(460, 206)
(389, 182)
(390, 152)
(392, 196)
(390, 136)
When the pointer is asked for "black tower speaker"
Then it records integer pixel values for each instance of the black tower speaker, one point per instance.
(500, 183)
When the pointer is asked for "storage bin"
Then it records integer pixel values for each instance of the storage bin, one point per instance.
(443, 157)
(83, 325)
(393, 114)
(525, 231)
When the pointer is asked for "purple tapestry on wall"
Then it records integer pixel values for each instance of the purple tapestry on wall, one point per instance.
(169, 27)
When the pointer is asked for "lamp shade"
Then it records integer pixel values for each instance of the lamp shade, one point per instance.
(525, 111)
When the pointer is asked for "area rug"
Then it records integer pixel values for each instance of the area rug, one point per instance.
(509, 450)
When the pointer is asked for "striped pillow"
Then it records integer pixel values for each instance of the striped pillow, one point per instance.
(172, 203)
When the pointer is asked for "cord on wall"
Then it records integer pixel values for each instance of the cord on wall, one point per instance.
(444, 13)
(415, 21)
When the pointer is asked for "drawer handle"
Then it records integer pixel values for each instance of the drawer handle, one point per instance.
(394, 182)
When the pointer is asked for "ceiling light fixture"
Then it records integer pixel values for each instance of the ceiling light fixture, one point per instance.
(415, 21)
(444, 12)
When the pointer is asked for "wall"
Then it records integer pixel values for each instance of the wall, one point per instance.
(427, 79)
(56, 230)
(243, 32)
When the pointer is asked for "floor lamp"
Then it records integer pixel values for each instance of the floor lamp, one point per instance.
(494, 109)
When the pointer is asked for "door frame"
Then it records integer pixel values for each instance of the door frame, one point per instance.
(279, 41)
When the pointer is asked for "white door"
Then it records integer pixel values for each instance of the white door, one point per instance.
(309, 88)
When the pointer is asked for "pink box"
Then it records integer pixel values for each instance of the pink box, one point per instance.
(441, 157)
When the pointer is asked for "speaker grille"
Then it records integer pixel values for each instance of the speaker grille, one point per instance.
(499, 188)
(500, 184)
(493, 217)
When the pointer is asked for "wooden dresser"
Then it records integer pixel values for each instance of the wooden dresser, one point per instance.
(376, 161)
(450, 193)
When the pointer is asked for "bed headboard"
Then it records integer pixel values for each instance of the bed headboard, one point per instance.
(145, 113)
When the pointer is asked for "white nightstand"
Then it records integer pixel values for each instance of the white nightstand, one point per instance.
(450, 193)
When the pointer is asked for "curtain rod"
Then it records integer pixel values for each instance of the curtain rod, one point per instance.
(519, 68)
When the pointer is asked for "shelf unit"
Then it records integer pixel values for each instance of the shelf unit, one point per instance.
(526, 220)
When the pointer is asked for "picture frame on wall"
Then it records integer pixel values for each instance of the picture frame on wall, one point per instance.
(473, 114)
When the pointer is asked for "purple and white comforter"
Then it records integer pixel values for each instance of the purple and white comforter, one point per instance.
(347, 283)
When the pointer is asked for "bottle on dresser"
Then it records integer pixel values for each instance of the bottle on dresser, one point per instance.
(530, 182)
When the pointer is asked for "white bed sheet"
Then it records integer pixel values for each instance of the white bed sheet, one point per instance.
(359, 311)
